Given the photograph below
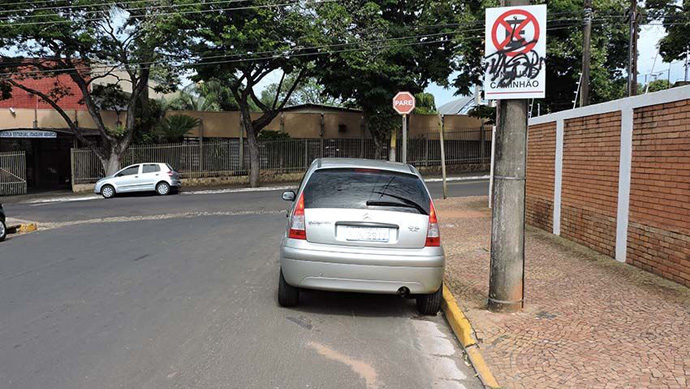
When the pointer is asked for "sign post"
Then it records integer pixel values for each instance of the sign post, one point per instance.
(403, 103)
(515, 50)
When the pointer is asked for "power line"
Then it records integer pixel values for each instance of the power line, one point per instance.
(84, 5)
(464, 25)
(297, 2)
(277, 54)
(77, 7)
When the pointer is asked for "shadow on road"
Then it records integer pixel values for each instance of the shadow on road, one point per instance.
(357, 304)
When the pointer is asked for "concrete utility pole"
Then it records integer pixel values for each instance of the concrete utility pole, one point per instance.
(586, 53)
(506, 282)
(632, 50)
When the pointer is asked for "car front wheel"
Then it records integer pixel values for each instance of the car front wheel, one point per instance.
(3, 230)
(430, 304)
(288, 295)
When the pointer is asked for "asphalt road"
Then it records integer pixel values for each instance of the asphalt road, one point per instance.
(180, 292)
(91, 206)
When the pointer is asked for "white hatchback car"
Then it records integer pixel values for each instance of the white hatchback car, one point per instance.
(143, 177)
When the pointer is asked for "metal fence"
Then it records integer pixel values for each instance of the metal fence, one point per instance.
(223, 157)
(12, 173)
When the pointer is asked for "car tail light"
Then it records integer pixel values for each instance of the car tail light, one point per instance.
(433, 235)
(170, 173)
(298, 228)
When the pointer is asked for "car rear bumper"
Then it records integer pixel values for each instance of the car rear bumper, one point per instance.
(362, 272)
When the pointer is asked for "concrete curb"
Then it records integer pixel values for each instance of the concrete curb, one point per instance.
(463, 330)
(22, 228)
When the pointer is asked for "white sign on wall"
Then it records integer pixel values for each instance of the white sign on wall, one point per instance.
(515, 52)
(28, 134)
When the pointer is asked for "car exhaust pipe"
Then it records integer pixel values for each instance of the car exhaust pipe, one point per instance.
(403, 291)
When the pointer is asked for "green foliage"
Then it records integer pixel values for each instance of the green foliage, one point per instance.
(676, 19)
(148, 117)
(173, 128)
(564, 50)
(483, 112)
(309, 91)
(378, 53)
(425, 104)
(654, 86)
(273, 135)
(211, 95)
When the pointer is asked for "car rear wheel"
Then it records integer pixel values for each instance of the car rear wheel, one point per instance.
(430, 304)
(108, 191)
(288, 295)
(3, 230)
(163, 188)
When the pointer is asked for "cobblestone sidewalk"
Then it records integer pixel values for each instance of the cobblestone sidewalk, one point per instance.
(588, 321)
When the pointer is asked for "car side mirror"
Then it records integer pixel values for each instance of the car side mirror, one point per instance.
(289, 195)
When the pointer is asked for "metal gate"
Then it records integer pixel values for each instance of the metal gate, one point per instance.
(12, 173)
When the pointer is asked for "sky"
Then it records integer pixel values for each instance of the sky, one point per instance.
(647, 47)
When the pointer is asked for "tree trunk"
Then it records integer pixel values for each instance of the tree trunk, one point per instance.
(111, 163)
(254, 159)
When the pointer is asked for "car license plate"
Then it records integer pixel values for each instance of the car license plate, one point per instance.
(366, 234)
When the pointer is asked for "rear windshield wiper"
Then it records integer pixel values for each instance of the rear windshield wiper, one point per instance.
(409, 202)
(396, 204)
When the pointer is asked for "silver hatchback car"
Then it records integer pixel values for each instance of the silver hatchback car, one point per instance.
(362, 226)
(143, 177)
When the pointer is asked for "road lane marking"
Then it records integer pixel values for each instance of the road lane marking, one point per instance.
(40, 202)
(452, 179)
(239, 190)
(124, 219)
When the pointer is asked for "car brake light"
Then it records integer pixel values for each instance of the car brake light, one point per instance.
(433, 236)
(170, 173)
(297, 224)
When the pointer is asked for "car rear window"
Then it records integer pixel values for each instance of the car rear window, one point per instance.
(151, 168)
(366, 189)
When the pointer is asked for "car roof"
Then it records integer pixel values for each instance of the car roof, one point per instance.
(335, 163)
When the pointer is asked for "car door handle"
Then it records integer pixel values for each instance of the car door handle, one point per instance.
(136, 176)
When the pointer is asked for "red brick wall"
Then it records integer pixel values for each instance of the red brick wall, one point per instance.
(589, 198)
(659, 221)
(541, 157)
(23, 99)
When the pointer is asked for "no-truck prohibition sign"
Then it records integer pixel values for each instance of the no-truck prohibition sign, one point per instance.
(515, 52)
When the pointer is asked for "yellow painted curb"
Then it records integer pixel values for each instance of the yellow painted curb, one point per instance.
(30, 227)
(463, 330)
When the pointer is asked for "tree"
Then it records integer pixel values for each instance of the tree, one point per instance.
(173, 128)
(425, 104)
(88, 41)
(676, 19)
(247, 44)
(211, 95)
(383, 47)
(563, 50)
(309, 91)
(653, 86)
